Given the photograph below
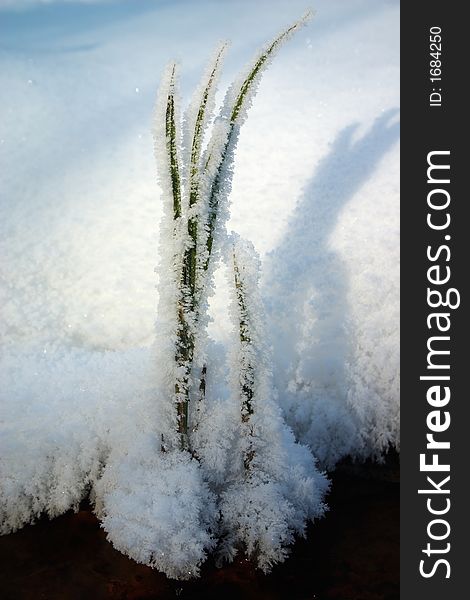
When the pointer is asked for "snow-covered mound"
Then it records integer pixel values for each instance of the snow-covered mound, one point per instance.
(62, 412)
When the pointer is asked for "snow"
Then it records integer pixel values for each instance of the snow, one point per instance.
(315, 188)
(157, 508)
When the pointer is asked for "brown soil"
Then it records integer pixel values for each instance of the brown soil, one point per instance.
(351, 554)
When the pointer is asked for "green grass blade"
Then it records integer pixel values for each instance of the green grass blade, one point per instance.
(247, 376)
(190, 259)
(234, 114)
(201, 119)
(172, 145)
(257, 67)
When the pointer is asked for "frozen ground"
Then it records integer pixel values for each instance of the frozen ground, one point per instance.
(315, 189)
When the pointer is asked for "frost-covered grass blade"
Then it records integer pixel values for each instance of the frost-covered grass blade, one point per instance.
(172, 145)
(234, 111)
(273, 487)
(247, 370)
(197, 118)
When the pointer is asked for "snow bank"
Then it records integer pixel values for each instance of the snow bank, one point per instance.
(61, 413)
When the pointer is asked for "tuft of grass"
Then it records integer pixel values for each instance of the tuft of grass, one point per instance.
(202, 191)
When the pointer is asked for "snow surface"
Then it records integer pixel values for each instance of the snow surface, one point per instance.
(315, 189)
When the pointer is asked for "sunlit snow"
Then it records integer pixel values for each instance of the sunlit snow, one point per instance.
(315, 189)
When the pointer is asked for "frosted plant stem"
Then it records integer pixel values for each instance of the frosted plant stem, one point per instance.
(172, 145)
(247, 375)
(247, 370)
(190, 261)
(184, 344)
(235, 119)
(201, 399)
(184, 356)
(187, 309)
